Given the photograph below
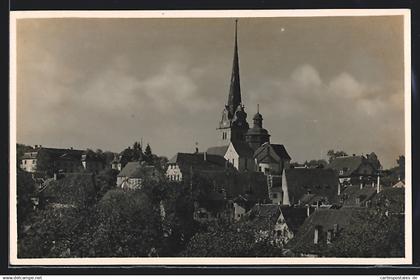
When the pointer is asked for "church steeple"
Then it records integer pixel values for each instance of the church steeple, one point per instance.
(234, 99)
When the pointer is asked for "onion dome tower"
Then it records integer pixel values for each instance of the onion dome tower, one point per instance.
(257, 135)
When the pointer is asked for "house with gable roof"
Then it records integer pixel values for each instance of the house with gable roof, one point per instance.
(355, 169)
(275, 222)
(134, 174)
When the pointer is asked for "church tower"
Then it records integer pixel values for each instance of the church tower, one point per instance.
(257, 135)
(233, 125)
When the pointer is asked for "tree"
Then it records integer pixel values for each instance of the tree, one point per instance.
(25, 190)
(148, 156)
(230, 241)
(129, 225)
(377, 232)
(334, 154)
(401, 167)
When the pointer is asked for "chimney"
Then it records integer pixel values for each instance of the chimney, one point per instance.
(55, 176)
(335, 229)
(378, 185)
(284, 188)
(205, 156)
(329, 236)
(316, 235)
(339, 189)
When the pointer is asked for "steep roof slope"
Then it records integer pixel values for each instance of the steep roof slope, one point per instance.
(322, 182)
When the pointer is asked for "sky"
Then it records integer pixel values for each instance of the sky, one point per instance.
(321, 83)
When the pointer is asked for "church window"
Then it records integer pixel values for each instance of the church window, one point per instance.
(233, 161)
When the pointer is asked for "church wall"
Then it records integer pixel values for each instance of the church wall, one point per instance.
(232, 156)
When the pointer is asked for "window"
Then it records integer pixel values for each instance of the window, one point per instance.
(233, 161)
(341, 172)
(274, 195)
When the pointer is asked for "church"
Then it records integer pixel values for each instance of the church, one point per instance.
(244, 147)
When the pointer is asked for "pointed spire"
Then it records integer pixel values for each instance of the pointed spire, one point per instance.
(234, 98)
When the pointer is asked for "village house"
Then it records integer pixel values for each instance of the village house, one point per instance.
(279, 224)
(181, 165)
(134, 174)
(52, 160)
(321, 228)
(357, 196)
(356, 169)
(240, 156)
(312, 186)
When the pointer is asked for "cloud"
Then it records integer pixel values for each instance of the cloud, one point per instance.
(311, 114)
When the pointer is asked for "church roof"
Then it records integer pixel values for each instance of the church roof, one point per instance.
(243, 149)
(234, 98)
(264, 150)
(257, 131)
(218, 150)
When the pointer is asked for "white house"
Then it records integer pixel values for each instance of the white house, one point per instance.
(240, 156)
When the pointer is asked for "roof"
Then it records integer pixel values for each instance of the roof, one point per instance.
(265, 216)
(310, 199)
(265, 149)
(294, 216)
(243, 149)
(325, 218)
(135, 169)
(322, 182)
(347, 164)
(218, 150)
(198, 161)
(351, 193)
(251, 184)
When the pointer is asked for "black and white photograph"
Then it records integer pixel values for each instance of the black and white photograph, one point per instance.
(226, 137)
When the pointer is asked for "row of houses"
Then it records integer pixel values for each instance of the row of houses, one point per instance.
(52, 160)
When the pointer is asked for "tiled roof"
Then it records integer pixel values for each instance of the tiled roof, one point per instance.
(294, 216)
(351, 193)
(265, 149)
(253, 184)
(137, 170)
(347, 164)
(325, 218)
(219, 150)
(196, 161)
(280, 151)
(321, 182)
(265, 216)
